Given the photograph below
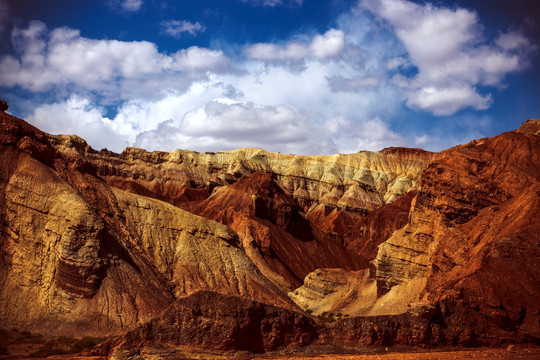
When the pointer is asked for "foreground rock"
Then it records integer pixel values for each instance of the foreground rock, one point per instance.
(213, 321)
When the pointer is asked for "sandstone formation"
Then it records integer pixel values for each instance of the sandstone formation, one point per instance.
(254, 251)
(471, 246)
(274, 232)
(473, 231)
(213, 321)
(358, 182)
(94, 258)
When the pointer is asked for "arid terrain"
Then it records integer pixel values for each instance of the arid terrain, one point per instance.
(252, 254)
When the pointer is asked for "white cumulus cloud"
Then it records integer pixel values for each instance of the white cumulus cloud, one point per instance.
(223, 125)
(328, 45)
(46, 59)
(78, 115)
(444, 45)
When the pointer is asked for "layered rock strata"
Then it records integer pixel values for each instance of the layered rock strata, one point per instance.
(357, 182)
(209, 320)
(473, 231)
(274, 232)
(202, 249)
(94, 258)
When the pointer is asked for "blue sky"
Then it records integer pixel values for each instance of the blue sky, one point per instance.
(294, 76)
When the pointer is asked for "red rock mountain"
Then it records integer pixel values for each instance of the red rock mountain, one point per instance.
(255, 251)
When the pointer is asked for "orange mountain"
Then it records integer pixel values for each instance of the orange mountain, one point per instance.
(256, 251)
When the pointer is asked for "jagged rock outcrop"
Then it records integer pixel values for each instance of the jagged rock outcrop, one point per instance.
(368, 232)
(336, 293)
(473, 231)
(96, 259)
(211, 324)
(274, 232)
(209, 320)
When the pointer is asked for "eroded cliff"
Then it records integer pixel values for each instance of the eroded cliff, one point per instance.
(96, 259)
(105, 243)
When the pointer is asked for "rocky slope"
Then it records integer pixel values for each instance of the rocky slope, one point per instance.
(274, 232)
(259, 250)
(213, 321)
(96, 259)
(472, 242)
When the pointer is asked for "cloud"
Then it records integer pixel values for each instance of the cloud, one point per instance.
(294, 50)
(273, 3)
(45, 60)
(176, 28)
(341, 90)
(223, 125)
(196, 59)
(513, 40)
(447, 100)
(131, 5)
(452, 62)
(329, 45)
(77, 115)
(341, 84)
(147, 91)
(375, 134)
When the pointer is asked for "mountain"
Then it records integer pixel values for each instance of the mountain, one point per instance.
(255, 251)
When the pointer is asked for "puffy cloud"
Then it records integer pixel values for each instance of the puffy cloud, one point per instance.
(176, 28)
(196, 59)
(443, 45)
(223, 125)
(45, 60)
(328, 45)
(375, 134)
(77, 115)
(515, 41)
(272, 52)
(149, 91)
(447, 100)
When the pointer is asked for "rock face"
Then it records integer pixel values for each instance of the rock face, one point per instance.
(214, 321)
(357, 182)
(96, 259)
(274, 232)
(235, 250)
(473, 231)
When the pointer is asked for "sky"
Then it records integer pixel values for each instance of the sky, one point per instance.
(290, 76)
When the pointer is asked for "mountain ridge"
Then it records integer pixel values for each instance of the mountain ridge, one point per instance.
(368, 243)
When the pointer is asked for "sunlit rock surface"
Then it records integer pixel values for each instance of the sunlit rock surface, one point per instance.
(400, 246)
